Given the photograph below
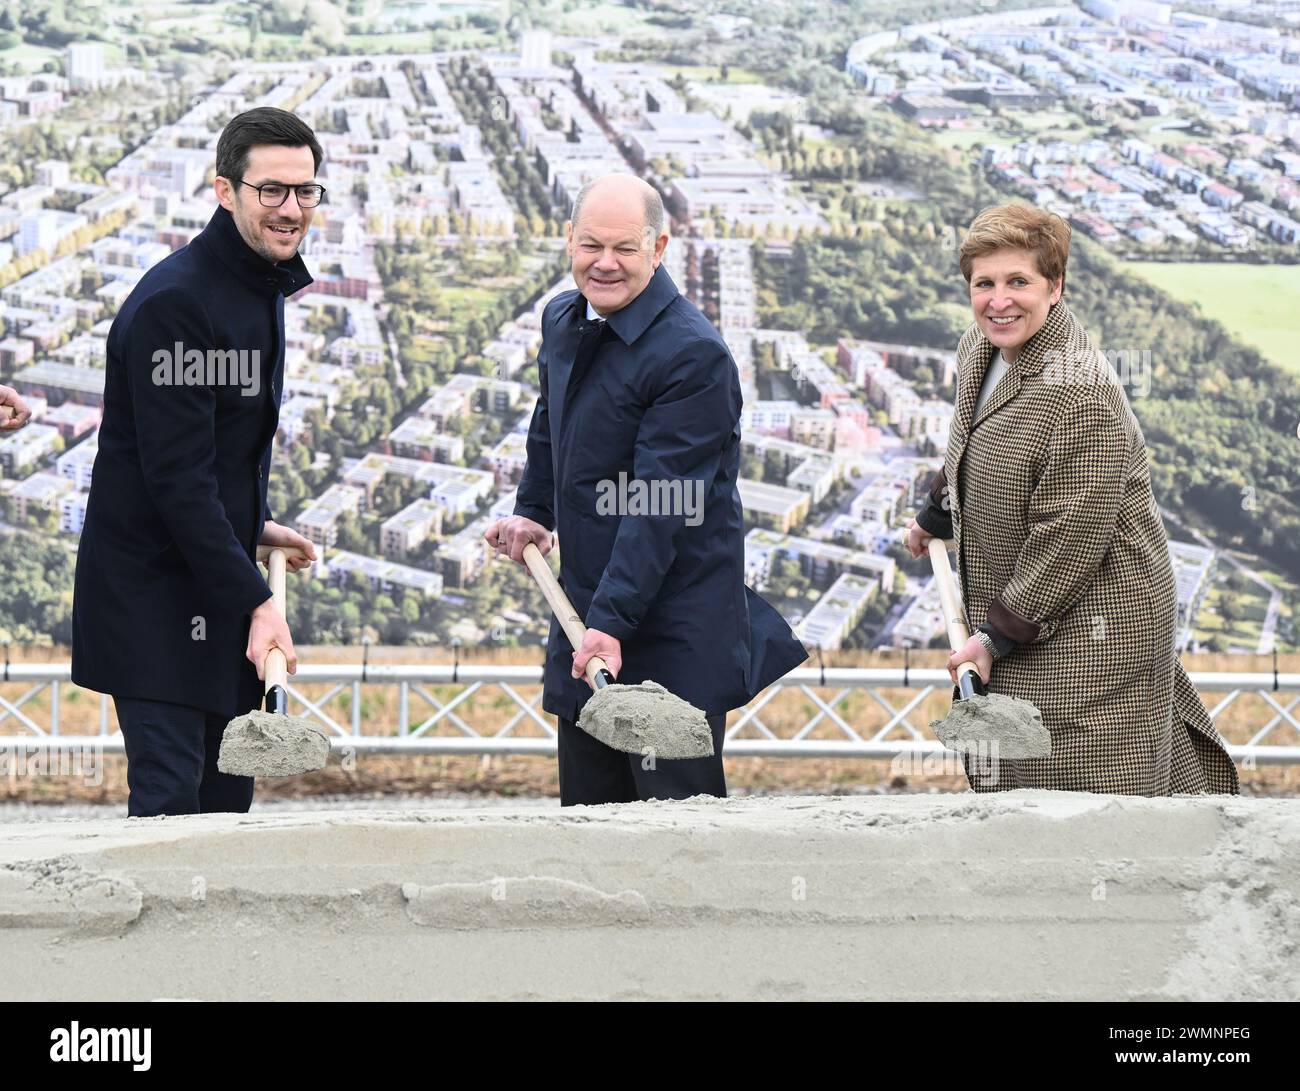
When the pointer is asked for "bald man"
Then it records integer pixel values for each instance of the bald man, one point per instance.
(633, 455)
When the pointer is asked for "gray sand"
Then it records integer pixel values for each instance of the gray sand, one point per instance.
(997, 726)
(262, 744)
(647, 719)
(1024, 895)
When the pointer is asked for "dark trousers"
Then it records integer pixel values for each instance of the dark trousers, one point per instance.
(171, 761)
(591, 772)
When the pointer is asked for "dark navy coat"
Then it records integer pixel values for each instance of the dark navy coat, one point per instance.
(660, 402)
(166, 578)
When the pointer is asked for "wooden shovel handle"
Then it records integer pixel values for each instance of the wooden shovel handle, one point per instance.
(275, 672)
(954, 614)
(572, 625)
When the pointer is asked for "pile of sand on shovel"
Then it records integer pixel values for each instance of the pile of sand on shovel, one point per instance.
(994, 725)
(647, 719)
(268, 744)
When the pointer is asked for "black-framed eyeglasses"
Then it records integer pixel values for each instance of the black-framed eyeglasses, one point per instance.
(274, 194)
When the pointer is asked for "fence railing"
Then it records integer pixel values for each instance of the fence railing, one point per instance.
(480, 709)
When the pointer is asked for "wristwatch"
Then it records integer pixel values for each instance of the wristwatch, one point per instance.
(987, 641)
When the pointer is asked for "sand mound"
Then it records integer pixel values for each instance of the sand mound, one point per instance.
(1029, 895)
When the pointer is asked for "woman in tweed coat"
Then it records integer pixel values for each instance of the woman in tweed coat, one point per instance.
(1063, 561)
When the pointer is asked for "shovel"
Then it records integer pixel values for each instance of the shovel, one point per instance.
(273, 743)
(988, 724)
(641, 719)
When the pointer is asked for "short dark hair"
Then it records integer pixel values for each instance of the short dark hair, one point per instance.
(262, 125)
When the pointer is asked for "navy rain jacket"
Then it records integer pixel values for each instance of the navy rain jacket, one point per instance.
(165, 573)
(660, 403)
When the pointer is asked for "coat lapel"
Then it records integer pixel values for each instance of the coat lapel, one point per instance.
(1007, 389)
(1062, 341)
(973, 355)
(272, 378)
(972, 365)
(629, 324)
(559, 363)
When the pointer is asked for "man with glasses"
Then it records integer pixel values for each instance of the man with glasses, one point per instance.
(170, 612)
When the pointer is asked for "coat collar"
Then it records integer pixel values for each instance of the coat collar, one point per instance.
(222, 237)
(1062, 342)
(632, 321)
(1061, 345)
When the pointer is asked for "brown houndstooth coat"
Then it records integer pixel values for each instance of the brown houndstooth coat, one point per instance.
(1060, 546)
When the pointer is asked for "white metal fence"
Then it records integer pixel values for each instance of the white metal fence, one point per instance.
(508, 721)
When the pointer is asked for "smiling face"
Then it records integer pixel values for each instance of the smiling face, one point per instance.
(1010, 298)
(274, 233)
(612, 253)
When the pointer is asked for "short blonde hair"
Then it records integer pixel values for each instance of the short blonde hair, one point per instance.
(1019, 227)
